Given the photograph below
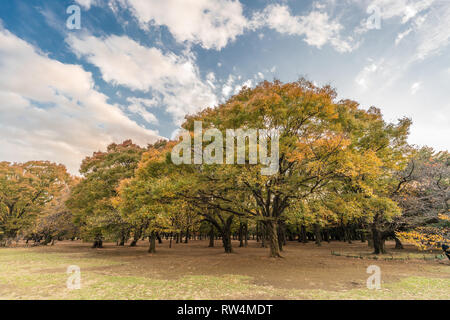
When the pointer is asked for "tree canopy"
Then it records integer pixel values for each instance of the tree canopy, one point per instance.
(25, 189)
(281, 160)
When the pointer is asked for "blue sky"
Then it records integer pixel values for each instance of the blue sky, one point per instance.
(135, 68)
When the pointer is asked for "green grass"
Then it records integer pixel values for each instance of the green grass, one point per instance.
(391, 256)
(406, 289)
(27, 274)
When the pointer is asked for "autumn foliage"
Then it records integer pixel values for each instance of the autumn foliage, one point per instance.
(343, 174)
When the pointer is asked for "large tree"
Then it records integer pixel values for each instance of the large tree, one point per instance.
(146, 198)
(54, 221)
(91, 200)
(424, 196)
(25, 189)
(325, 146)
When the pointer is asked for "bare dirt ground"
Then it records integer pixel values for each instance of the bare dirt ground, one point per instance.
(304, 266)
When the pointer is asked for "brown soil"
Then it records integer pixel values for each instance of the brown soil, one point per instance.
(303, 266)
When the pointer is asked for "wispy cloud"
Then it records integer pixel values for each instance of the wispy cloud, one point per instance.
(416, 87)
(316, 27)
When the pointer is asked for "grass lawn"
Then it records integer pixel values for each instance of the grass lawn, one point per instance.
(193, 271)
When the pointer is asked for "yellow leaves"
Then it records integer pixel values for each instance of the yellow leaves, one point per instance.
(420, 239)
(157, 154)
(365, 165)
(316, 150)
(116, 201)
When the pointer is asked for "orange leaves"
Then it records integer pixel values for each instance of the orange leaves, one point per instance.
(318, 146)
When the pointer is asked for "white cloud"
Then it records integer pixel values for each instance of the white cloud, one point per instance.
(248, 84)
(402, 35)
(416, 87)
(316, 27)
(51, 110)
(227, 87)
(405, 9)
(140, 105)
(213, 24)
(209, 23)
(173, 80)
(427, 34)
(428, 20)
(429, 25)
(363, 79)
(211, 80)
(433, 31)
(318, 5)
(381, 10)
(86, 3)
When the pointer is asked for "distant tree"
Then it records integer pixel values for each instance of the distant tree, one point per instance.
(91, 200)
(424, 197)
(25, 189)
(147, 197)
(54, 222)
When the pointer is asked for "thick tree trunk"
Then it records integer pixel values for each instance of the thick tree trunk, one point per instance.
(226, 235)
(344, 234)
(398, 243)
(363, 236)
(47, 240)
(280, 237)
(241, 235)
(257, 231)
(124, 235)
(246, 234)
(211, 237)
(272, 232)
(152, 240)
(348, 235)
(326, 236)
(136, 237)
(378, 241)
(317, 234)
(226, 239)
(98, 243)
(224, 230)
(263, 229)
(186, 240)
(304, 237)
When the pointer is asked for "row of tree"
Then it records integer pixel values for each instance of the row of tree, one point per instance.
(343, 174)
